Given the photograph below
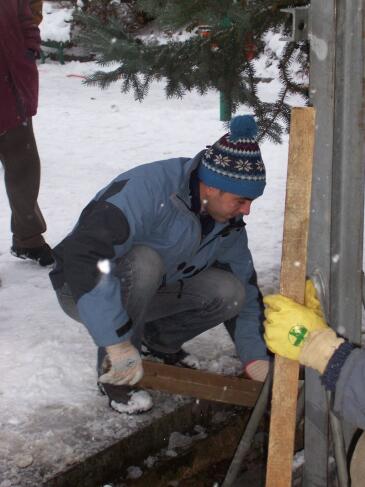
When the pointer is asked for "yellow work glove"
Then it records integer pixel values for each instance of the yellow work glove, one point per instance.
(287, 325)
(311, 300)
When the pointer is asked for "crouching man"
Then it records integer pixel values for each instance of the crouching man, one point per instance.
(160, 255)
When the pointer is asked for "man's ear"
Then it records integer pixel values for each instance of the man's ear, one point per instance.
(210, 191)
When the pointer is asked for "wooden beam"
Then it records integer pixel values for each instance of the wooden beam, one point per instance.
(200, 384)
(292, 284)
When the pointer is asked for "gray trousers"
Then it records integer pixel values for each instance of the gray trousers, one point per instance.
(19, 156)
(165, 317)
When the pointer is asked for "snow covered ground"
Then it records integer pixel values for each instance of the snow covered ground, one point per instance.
(51, 414)
(50, 408)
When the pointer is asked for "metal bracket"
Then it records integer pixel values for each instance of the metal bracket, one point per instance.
(320, 287)
(300, 23)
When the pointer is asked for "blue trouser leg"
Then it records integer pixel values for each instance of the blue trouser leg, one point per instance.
(177, 315)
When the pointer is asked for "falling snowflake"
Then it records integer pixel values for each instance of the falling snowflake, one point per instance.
(222, 160)
(104, 266)
(244, 165)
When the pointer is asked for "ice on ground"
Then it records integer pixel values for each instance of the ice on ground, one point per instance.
(150, 461)
(178, 440)
(134, 472)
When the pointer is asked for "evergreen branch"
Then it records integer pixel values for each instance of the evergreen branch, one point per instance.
(219, 60)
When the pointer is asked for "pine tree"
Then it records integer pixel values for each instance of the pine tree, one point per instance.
(223, 38)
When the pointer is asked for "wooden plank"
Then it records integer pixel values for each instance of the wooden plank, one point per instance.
(200, 384)
(292, 284)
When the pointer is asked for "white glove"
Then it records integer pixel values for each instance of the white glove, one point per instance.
(257, 370)
(126, 365)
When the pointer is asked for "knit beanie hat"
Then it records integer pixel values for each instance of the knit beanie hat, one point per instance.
(234, 164)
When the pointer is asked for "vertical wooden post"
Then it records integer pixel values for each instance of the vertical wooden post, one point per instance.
(292, 284)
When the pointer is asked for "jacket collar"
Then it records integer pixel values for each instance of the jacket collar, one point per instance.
(184, 193)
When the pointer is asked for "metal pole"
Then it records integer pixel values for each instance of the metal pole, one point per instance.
(348, 176)
(339, 448)
(336, 237)
(348, 173)
(322, 69)
(249, 433)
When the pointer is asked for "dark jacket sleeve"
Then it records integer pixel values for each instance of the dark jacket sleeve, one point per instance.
(100, 228)
(106, 231)
(349, 401)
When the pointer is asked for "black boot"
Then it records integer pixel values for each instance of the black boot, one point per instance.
(127, 399)
(42, 255)
(180, 357)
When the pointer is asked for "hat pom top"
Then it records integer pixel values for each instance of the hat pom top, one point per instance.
(243, 127)
(234, 164)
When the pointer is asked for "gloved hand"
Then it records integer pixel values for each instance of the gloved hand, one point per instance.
(287, 324)
(318, 348)
(126, 365)
(257, 370)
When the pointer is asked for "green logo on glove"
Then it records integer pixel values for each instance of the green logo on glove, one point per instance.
(297, 334)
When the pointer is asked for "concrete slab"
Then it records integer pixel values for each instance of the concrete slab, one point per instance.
(63, 446)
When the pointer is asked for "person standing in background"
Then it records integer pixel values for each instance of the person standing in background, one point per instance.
(19, 49)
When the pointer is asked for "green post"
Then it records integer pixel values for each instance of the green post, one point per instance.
(225, 108)
(60, 53)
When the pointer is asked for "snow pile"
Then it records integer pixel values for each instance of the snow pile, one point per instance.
(56, 24)
(139, 402)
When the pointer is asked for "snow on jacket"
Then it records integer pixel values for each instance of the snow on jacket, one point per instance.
(349, 401)
(19, 40)
(150, 205)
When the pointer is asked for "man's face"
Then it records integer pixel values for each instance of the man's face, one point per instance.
(223, 206)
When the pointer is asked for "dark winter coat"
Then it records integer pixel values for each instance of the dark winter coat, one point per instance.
(19, 45)
(152, 205)
(350, 390)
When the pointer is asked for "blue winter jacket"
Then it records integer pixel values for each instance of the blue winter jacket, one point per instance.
(151, 205)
